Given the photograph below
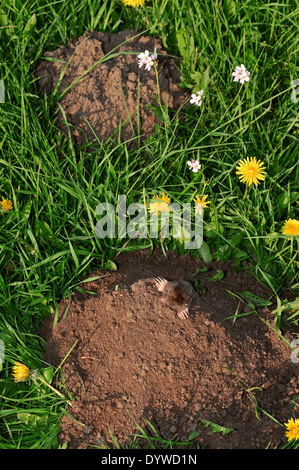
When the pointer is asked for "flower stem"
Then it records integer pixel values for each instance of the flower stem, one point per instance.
(50, 386)
(192, 182)
(246, 191)
(236, 97)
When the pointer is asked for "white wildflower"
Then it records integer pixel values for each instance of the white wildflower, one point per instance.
(194, 165)
(148, 60)
(197, 98)
(241, 74)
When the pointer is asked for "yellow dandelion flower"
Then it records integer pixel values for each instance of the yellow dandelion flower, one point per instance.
(162, 204)
(201, 204)
(292, 429)
(291, 227)
(6, 204)
(20, 372)
(134, 3)
(251, 171)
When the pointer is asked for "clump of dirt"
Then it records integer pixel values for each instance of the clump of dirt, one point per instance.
(135, 358)
(107, 96)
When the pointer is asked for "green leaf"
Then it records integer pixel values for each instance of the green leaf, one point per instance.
(5, 185)
(90, 279)
(29, 249)
(181, 42)
(272, 281)
(184, 235)
(157, 111)
(24, 417)
(193, 435)
(201, 80)
(59, 267)
(255, 299)
(26, 211)
(4, 21)
(31, 419)
(74, 256)
(216, 427)
(283, 200)
(45, 229)
(213, 229)
(218, 276)
(31, 25)
(185, 43)
(205, 252)
(200, 270)
(229, 8)
(48, 374)
(235, 239)
(110, 265)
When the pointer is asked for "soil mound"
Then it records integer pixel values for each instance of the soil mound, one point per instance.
(135, 358)
(107, 96)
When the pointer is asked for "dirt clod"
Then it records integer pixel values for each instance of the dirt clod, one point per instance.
(135, 357)
(107, 96)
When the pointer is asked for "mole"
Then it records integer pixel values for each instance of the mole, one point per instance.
(177, 294)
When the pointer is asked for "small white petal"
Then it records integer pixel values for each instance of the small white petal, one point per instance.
(154, 55)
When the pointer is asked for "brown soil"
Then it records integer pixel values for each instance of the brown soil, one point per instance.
(135, 357)
(96, 105)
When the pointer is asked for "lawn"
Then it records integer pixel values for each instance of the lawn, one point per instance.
(50, 188)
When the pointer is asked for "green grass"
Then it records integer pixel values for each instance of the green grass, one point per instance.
(47, 243)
